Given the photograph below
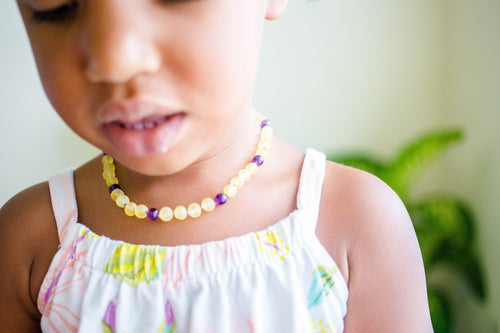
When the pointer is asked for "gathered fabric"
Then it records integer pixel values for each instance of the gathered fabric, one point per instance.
(280, 279)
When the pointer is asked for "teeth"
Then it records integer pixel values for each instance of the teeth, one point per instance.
(160, 121)
(138, 126)
(141, 125)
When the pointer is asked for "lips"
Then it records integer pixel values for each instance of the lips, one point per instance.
(140, 128)
(144, 124)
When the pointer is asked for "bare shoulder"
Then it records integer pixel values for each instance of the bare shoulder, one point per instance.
(28, 235)
(366, 229)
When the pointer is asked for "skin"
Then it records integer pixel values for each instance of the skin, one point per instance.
(114, 50)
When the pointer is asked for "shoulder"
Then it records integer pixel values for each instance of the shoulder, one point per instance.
(28, 234)
(27, 217)
(28, 213)
(356, 209)
(366, 228)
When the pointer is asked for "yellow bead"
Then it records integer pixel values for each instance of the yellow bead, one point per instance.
(262, 152)
(111, 181)
(141, 211)
(107, 159)
(208, 204)
(180, 213)
(130, 208)
(166, 214)
(194, 210)
(245, 175)
(264, 145)
(116, 193)
(266, 137)
(122, 200)
(267, 130)
(237, 182)
(259, 117)
(230, 191)
(109, 167)
(252, 167)
(267, 133)
(107, 174)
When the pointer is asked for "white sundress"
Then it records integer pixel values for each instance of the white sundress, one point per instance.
(280, 279)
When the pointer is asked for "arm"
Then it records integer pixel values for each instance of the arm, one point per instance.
(379, 255)
(22, 241)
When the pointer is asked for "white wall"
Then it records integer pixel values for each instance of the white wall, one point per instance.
(357, 71)
(335, 75)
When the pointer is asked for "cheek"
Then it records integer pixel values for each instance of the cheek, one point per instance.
(60, 74)
(66, 88)
(222, 61)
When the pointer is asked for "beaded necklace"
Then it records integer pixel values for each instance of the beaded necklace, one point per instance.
(193, 210)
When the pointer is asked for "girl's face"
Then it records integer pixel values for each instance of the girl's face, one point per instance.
(166, 80)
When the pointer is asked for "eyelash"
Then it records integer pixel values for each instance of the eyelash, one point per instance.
(58, 14)
(65, 12)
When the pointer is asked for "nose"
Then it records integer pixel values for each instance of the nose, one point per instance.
(116, 44)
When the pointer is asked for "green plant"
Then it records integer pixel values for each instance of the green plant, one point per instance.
(444, 224)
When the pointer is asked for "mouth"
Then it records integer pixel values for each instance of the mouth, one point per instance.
(139, 128)
(143, 124)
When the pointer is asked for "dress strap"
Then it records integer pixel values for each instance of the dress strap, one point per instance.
(62, 194)
(311, 184)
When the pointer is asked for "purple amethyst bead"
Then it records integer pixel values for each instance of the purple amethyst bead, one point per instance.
(220, 199)
(153, 214)
(114, 187)
(258, 159)
(264, 123)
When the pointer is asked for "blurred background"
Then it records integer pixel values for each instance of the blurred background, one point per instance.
(340, 76)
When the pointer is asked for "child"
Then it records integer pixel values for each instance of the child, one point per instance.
(274, 241)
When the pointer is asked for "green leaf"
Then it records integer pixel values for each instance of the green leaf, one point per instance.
(416, 156)
(468, 266)
(404, 169)
(445, 216)
(474, 274)
(440, 308)
(445, 230)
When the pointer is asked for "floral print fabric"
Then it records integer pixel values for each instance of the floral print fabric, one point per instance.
(280, 279)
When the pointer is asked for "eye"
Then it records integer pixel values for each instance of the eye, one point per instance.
(58, 14)
(174, 1)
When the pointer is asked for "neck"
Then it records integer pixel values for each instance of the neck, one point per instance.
(204, 177)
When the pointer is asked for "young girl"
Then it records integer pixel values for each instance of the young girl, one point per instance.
(239, 231)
